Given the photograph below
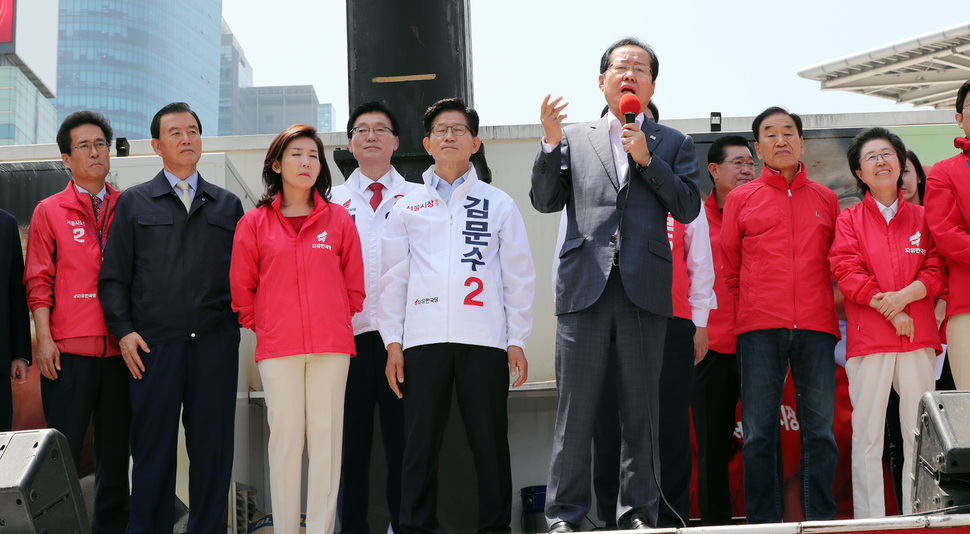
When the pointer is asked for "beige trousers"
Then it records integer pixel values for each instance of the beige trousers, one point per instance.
(870, 377)
(305, 399)
(958, 348)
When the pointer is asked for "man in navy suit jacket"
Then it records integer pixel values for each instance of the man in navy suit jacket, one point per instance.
(164, 287)
(14, 318)
(617, 182)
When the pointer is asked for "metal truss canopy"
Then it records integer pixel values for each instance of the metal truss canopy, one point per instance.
(923, 71)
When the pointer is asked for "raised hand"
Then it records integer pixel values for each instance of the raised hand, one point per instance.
(551, 117)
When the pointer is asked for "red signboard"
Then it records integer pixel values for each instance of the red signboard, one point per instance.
(6, 21)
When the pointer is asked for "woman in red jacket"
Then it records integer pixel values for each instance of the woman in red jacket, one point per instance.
(914, 179)
(297, 278)
(889, 271)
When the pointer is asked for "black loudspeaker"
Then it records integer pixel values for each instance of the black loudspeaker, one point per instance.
(941, 470)
(408, 55)
(39, 490)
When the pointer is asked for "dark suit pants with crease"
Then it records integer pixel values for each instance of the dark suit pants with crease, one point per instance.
(676, 380)
(366, 389)
(717, 387)
(582, 347)
(197, 379)
(480, 378)
(95, 388)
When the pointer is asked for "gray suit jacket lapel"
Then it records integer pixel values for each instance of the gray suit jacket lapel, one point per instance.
(599, 138)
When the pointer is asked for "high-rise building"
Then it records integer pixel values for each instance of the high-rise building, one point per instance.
(128, 58)
(236, 73)
(28, 66)
(325, 118)
(278, 106)
(248, 110)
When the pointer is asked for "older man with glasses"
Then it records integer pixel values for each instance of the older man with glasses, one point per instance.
(368, 195)
(455, 313)
(83, 376)
(717, 381)
(617, 181)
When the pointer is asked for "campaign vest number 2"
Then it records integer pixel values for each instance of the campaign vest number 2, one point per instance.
(470, 297)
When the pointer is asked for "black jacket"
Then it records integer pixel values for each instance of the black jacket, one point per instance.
(165, 273)
(14, 317)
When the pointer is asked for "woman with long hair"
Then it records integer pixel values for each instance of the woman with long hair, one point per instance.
(914, 179)
(297, 279)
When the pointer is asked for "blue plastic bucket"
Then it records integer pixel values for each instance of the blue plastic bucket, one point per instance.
(533, 508)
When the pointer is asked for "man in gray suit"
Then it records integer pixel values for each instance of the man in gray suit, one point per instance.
(617, 182)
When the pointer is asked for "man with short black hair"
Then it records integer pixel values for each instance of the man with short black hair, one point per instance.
(83, 376)
(616, 182)
(455, 313)
(775, 239)
(164, 288)
(717, 382)
(685, 342)
(368, 195)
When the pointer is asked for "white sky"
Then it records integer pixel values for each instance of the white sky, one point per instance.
(734, 57)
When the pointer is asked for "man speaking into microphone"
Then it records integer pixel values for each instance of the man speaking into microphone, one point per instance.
(616, 180)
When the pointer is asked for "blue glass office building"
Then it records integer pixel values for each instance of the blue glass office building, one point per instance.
(28, 71)
(128, 58)
(26, 116)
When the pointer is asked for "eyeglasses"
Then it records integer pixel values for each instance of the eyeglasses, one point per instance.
(377, 130)
(101, 146)
(639, 71)
(886, 155)
(441, 130)
(739, 163)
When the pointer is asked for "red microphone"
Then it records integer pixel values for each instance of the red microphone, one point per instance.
(630, 107)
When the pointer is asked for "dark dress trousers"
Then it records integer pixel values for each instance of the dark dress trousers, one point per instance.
(367, 390)
(14, 317)
(717, 388)
(673, 435)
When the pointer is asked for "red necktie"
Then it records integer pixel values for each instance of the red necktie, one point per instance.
(96, 206)
(375, 200)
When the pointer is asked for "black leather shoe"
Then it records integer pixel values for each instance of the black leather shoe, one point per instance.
(639, 522)
(561, 526)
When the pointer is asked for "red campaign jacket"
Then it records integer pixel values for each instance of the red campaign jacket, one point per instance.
(720, 323)
(947, 206)
(61, 270)
(298, 292)
(869, 257)
(775, 240)
(692, 285)
(680, 283)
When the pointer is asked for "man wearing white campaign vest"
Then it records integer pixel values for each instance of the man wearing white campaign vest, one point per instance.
(456, 313)
(368, 195)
